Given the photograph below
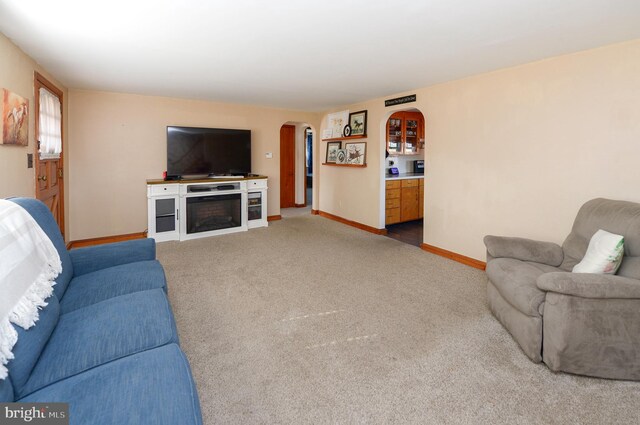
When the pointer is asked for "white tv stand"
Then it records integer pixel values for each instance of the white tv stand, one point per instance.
(188, 209)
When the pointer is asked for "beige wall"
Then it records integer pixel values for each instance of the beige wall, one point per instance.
(17, 75)
(513, 152)
(119, 140)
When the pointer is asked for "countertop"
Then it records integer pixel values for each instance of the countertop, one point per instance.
(403, 176)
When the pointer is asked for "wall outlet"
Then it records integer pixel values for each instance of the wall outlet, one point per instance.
(269, 155)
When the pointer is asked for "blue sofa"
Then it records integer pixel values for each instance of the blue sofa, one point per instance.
(106, 343)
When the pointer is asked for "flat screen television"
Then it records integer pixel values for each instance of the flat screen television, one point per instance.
(193, 151)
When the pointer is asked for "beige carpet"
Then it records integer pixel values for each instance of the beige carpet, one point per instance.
(295, 212)
(312, 321)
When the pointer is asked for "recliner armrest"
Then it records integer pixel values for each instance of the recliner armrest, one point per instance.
(590, 285)
(547, 253)
(94, 258)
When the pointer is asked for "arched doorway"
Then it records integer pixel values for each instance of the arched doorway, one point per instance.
(296, 166)
(402, 172)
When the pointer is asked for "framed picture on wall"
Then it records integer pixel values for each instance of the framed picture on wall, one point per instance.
(341, 156)
(337, 121)
(332, 151)
(15, 119)
(358, 123)
(356, 153)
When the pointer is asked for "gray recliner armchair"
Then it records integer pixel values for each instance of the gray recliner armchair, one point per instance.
(580, 323)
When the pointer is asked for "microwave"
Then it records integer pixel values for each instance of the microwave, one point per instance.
(418, 166)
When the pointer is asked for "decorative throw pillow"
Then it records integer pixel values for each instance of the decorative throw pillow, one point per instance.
(604, 254)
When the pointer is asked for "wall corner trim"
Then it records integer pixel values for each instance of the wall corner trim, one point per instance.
(468, 261)
(351, 223)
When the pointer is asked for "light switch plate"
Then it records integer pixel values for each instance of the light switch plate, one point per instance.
(269, 155)
(29, 160)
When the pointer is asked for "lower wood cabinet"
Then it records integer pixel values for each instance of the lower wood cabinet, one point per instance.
(392, 202)
(404, 200)
(409, 199)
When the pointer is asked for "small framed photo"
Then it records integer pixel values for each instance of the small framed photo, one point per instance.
(341, 156)
(356, 153)
(332, 150)
(358, 123)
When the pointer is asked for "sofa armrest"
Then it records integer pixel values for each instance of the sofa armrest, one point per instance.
(524, 249)
(590, 285)
(94, 258)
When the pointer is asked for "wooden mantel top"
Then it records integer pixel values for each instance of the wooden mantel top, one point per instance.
(211, 180)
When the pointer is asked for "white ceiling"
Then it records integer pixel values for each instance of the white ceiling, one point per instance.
(300, 54)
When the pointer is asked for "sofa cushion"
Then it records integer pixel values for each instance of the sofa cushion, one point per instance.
(111, 282)
(32, 342)
(43, 217)
(93, 258)
(515, 280)
(619, 217)
(6, 390)
(151, 387)
(103, 332)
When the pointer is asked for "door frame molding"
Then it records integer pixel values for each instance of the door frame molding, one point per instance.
(41, 81)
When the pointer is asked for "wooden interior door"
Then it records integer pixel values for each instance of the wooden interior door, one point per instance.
(287, 166)
(49, 172)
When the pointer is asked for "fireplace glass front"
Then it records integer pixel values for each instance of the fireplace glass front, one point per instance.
(215, 212)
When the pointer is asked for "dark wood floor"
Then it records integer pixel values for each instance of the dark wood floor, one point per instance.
(409, 232)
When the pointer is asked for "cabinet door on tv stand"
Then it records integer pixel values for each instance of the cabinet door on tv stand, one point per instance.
(164, 218)
(257, 208)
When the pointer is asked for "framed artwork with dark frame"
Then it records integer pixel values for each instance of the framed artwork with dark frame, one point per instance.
(358, 123)
(332, 151)
(356, 153)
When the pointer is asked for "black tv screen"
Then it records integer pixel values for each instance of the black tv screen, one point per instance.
(211, 151)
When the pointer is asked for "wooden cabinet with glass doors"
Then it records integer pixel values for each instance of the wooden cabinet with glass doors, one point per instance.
(405, 133)
(394, 135)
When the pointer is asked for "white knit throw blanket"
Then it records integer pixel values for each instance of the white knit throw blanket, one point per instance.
(28, 265)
